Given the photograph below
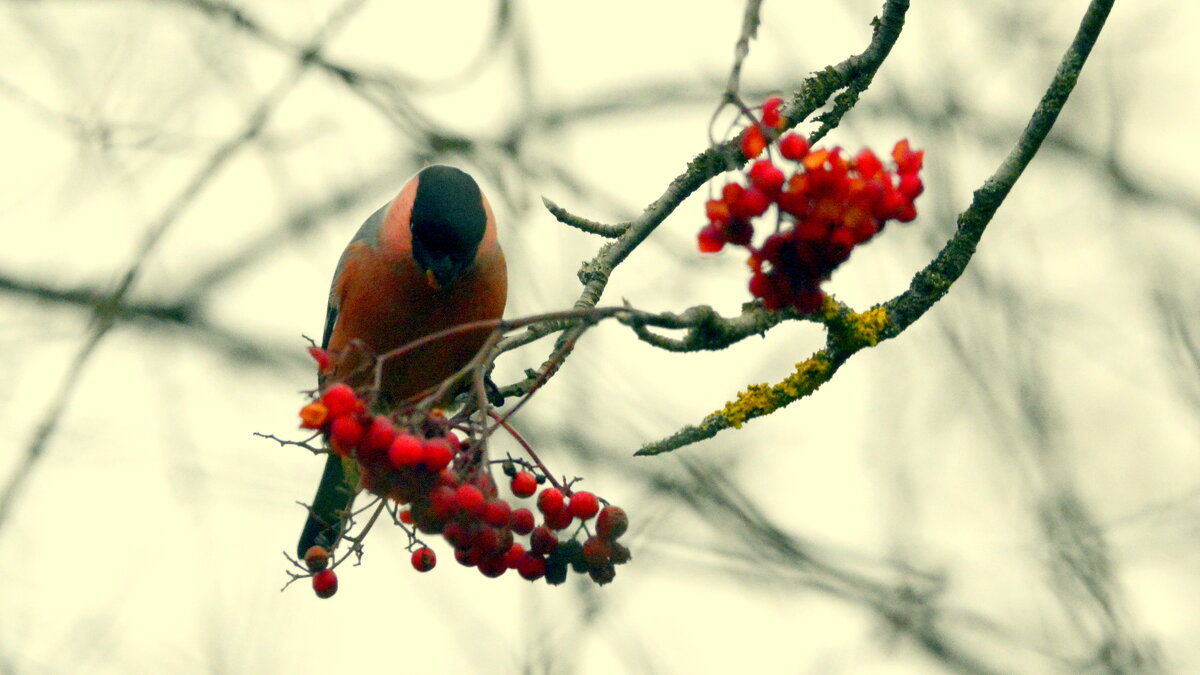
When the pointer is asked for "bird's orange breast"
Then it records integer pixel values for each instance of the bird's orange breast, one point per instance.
(386, 302)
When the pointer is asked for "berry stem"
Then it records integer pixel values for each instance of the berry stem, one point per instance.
(356, 540)
(501, 422)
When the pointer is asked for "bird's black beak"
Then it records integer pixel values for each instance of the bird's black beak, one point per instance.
(441, 271)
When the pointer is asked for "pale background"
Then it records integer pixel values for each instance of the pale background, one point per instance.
(1028, 451)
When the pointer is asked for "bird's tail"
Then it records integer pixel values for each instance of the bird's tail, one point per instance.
(330, 507)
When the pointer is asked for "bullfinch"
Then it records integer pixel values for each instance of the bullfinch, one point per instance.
(427, 261)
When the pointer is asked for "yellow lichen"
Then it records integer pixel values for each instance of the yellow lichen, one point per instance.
(866, 327)
(761, 399)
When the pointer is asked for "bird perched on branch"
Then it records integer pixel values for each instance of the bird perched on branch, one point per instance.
(427, 261)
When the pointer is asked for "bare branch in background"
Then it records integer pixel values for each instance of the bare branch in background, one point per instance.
(106, 311)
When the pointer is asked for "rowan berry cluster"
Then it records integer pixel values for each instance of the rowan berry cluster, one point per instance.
(829, 204)
(437, 482)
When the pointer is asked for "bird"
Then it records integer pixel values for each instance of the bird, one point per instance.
(426, 261)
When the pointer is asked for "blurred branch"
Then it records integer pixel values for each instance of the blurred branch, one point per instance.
(756, 545)
(185, 316)
(750, 21)
(108, 308)
(931, 283)
(1140, 184)
(302, 220)
(386, 90)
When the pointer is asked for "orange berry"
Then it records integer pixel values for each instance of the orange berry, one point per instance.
(753, 142)
(316, 558)
(313, 415)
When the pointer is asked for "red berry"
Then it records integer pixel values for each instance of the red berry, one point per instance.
(760, 285)
(467, 557)
(405, 451)
(542, 541)
(522, 521)
(717, 212)
(325, 583)
(766, 176)
(753, 142)
(550, 500)
(753, 202)
(890, 205)
(314, 415)
(740, 232)
(793, 147)
(321, 357)
(424, 559)
(597, 551)
(345, 433)
(770, 114)
(453, 441)
(380, 434)
(731, 192)
(773, 300)
(710, 240)
(316, 558)
(515, 553)
(341, 400)
(524, 484)
(487, 540)
(612, 522)
(910, 186)
(493, 566)
(406, 516)
(867, 164)
(468, 498)
(908, 161)
(497, 513)
(457, 535)
(435, 454)
(808, 300)
(559, 520)
(584, 505)
(442, 502)
(531, 567)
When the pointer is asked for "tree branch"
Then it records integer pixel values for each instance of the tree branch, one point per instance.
(929, 285)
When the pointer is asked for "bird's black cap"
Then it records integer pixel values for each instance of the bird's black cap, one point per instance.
(448, 222)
